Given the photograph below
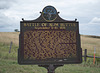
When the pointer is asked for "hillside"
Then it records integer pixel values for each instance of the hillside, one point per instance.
(9, 64)
(7, 37)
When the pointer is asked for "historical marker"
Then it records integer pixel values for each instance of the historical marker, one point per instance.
(49, 40)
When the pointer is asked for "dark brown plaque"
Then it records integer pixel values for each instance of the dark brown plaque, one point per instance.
(49, 41)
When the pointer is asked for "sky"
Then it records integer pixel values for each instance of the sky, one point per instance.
(87, 13)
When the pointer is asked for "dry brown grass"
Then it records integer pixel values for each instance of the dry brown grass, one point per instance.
(7, 37)
(89, 43)
(86, 42)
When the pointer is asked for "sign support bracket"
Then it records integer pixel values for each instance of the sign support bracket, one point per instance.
(50, 68)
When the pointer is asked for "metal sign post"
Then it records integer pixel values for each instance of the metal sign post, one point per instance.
(50, 68)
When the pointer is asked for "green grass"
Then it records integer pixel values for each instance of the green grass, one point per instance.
(9, 64)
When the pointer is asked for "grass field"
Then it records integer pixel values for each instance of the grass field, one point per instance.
(89, 43)
(8, 61)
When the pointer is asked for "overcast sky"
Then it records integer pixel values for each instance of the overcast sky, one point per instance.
(87, 13)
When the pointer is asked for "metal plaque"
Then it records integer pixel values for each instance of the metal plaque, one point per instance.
(46, 42)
